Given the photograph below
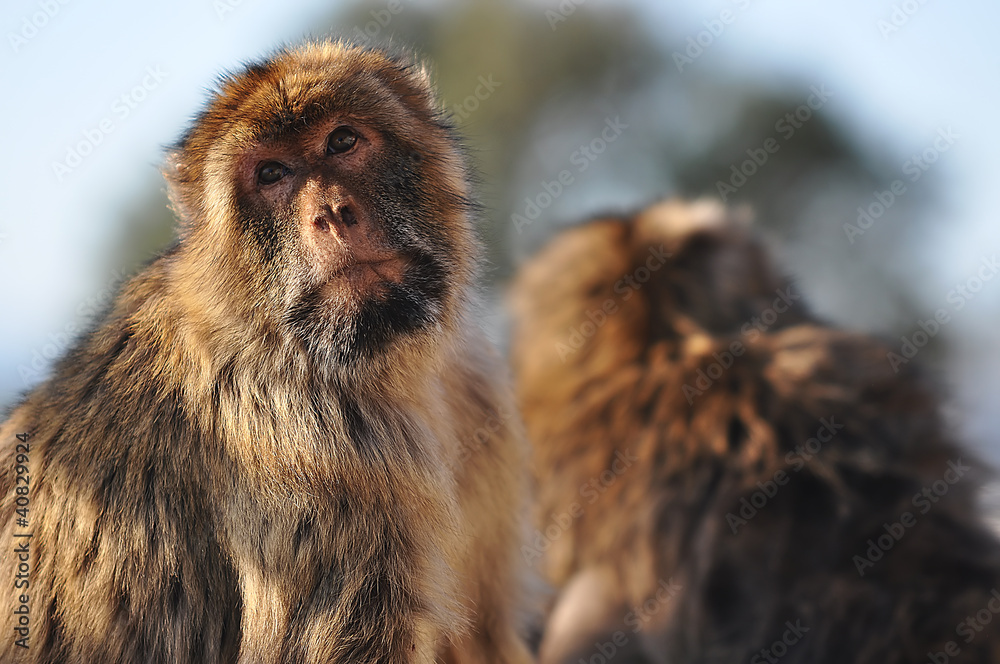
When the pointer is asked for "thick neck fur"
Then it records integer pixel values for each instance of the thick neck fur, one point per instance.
(294, 444)
(273, 408)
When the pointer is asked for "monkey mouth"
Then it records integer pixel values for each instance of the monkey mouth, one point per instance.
(395, 295)
(368, 273)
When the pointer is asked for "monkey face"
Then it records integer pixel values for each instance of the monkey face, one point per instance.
(335, 212)
(334, 189)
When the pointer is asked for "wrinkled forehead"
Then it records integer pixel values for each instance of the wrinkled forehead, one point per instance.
(292, 93)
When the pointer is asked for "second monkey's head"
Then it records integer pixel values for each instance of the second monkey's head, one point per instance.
(323, 199)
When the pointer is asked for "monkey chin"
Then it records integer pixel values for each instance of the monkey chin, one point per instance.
(368, 305)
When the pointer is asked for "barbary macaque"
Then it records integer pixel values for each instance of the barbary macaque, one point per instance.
(271, 449)
(724, 478)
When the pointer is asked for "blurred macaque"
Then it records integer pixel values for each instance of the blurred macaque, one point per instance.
(723, 478)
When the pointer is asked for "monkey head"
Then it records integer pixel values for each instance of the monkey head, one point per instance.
(676, 271)
(323, 200)
(718, 275)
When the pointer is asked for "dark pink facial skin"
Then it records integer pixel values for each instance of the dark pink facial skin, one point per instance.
(308, 174)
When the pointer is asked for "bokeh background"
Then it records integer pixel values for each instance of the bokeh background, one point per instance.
(901, 90)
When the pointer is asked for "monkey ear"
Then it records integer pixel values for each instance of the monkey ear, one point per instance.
(183, 200)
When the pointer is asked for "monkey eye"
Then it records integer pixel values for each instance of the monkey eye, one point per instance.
(341, 140)
(270, 172)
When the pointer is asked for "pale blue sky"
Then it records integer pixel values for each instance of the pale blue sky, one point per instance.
(942, 68)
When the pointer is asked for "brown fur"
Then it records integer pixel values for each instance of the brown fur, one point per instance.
(648, 555)
(266, 451)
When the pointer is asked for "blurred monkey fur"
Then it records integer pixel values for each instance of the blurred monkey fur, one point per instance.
(262, 454)
(723, 478)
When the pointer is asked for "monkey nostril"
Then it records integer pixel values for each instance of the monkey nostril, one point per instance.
(347, 214)
(321, 223)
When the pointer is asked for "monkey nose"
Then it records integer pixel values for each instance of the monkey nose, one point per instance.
(323, 220)
(347, 215)
(341, 216)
